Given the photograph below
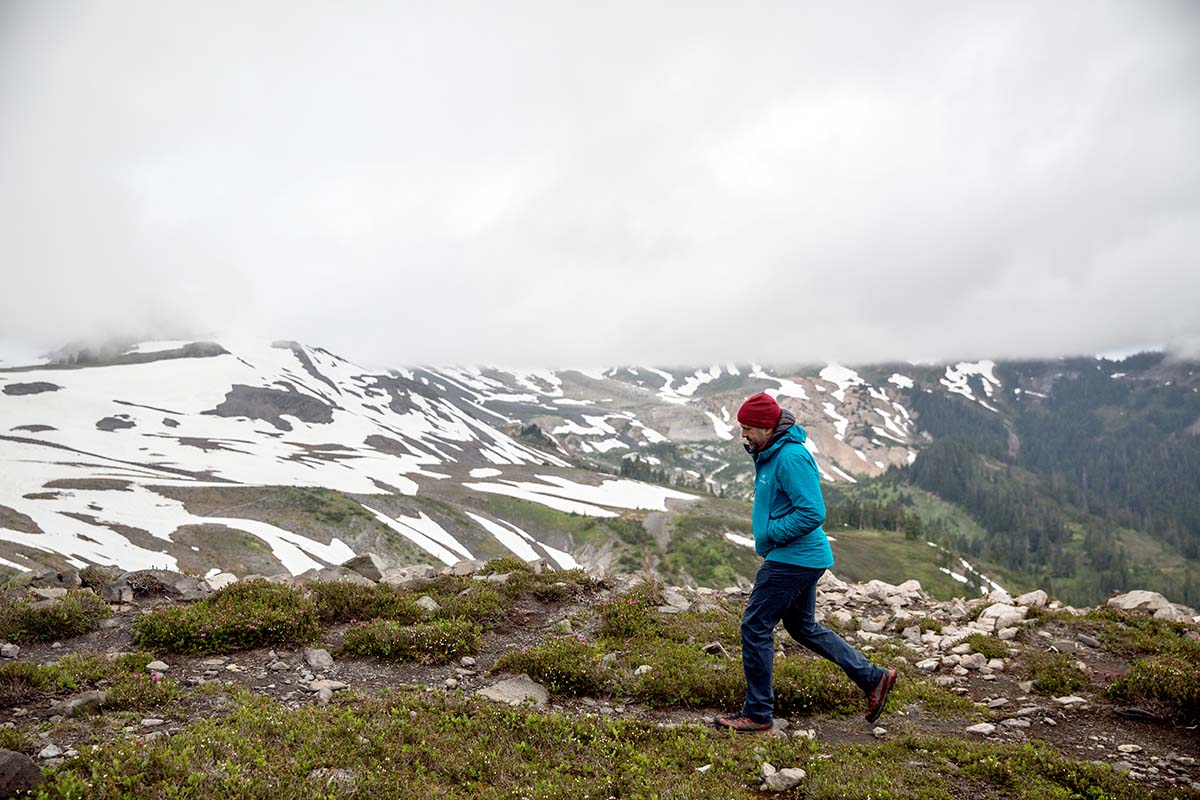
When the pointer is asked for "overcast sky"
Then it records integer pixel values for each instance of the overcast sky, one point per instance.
(598, 183)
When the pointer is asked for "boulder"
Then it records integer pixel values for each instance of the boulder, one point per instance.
(1002, 615)
(515, 691)
(368, 565)
(1034, 599)
(18, 774)
(80, 705)
(334, 575)
(220, 580)
(1140, 600)
(149, 583)
(51, 579)
(784, 779)
(407, 575)
(318, 658)
(468, 566)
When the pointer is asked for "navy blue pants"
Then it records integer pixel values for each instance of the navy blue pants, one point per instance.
(788, 593)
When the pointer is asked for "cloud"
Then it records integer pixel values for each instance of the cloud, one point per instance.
(638, 183)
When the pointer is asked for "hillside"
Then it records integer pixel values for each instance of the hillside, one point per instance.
(515, 680)
(1075, 476)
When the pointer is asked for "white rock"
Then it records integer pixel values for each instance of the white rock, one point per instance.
(927, 665)
(515, 691)
(1139, 600)
(785, 779)
(879, 733)
(983, 729)
(1034, 599)
(1129, 748)
(157, 666)
(1069, 700)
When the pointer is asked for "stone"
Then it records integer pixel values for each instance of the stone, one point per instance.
(1015, 722)
(324, 696)
(158, 666)
(325, 683)
(333, 575)
(715, 649)
(996, 664)
(51, 579)
(318, 658)
(998, 702)
(784, 779)
(18, 773)
(155, 583)
(1002, 615)
(81, 704)
(1034, 599)
(10, 650)
(467, 566)
(467, 661)
(1008, 634)
(1090, 641)
(152, 722)
(643, 669)
(1129, 748)
(369, 565)
(983, 729)
(515, 691)
(973, 661)
(428, 605)
(1070, 700)
(50, 751)
(407, 575)
(928, 664)
(870, 626)
(1140, 600)
(220, 580)
(879, 732)
(1025, 686)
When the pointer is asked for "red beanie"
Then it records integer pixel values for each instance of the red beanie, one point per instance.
(760, 411)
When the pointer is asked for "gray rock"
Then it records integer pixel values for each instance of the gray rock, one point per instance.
(1070, 700)
(10, 651)
(155, 583)
(407, 575)
(467, 661)
(368, 565)
(18, 773)
(158, 666)
(334, 575)
(715, 649)
(1140, 600)
(784, 779)
(81, 704)
(983, 729)
(468, 566)
(318, 658)
(1090, 641)
(50, 751)
(1034, 599)
(152, 722)
(1015, 722)
(331, 685)
(51, 579)
(220, 580)
(515, 691)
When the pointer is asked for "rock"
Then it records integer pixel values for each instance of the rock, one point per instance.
(870, 626)
(1008, 634)
(67, 579)
(334, 575)
(715, 649)
(368, 565)
(1070, 700)
(317, 658)
(324, 696)
(49, 593)
(158, 666)
(1034, 599)
(155, 583)
(973, 661)
(50, 751)
(341, 780)
(996, 664)
(407, 575)
(10, 651)
(81, 704)
(928, 664)
(152, 722)
(1090, 641)
(18, 773)
(331, 685)
(999, 702)
(1002, 615)
(643, 669)
(467, 661)
(220, 580)
(515, 691)
(1129, 748)
(1140, 600)
(1025, 686)
(428, 605)
(1015, 722)
(879, 732)
(784, 779)
(675, 600)
(983, 729)
(467, 566)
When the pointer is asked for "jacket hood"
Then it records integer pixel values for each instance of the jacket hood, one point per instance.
(793, 434)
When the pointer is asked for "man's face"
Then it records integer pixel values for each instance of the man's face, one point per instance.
(756, 437)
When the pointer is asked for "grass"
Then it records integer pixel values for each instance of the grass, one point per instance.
(1054, 673)
(25, 619)
(1168, 682)
(413, 744)
(243, 615)
(988, 646)
(125, 679)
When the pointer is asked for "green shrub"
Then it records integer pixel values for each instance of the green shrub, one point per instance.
(140, 691)
(240, 616)
(1171, 681)
(26, 620)
(929, 624)
(684, 675)
(1054, 673)
(564, 665)
(1132, 633)
(21, 681)
(988, 646)
(340, 601)
(809, 686)
(630, 614)
(482, 602)
(436, 642)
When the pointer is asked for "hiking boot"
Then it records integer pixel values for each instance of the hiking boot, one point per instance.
(877, 697)
(744, 724)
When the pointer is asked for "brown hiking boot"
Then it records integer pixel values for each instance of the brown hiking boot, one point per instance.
(744, 724)
(877, 697)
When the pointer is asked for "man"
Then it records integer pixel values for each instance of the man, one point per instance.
(787, 517)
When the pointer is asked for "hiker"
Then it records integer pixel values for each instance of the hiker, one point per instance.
(787, 517)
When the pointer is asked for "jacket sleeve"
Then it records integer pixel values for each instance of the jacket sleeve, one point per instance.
(798, 480)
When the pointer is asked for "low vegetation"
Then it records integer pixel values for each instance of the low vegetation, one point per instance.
(28, 619)
(1170, 683)
(240, 616)
(1054, 673)
(437, 642)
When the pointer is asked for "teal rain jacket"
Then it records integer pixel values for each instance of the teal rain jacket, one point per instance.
(788, 509)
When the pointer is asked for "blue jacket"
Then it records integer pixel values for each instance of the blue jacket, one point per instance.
(788, 509)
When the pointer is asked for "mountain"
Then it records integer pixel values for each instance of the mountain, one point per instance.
(1079, 475)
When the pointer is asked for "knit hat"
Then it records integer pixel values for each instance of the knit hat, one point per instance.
(760, 411)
